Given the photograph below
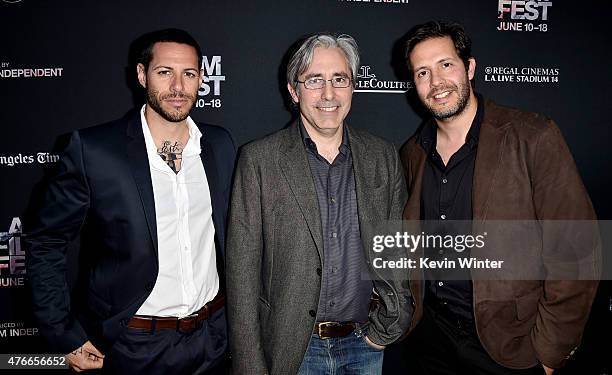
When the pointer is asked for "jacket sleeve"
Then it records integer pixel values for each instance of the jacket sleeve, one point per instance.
(560, 198)
(243, 261)
(53, 220)
(383, 330)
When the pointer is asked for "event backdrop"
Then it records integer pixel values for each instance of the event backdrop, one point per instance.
(65, 65)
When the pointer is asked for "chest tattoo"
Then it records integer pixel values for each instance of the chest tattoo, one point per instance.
(171, 153)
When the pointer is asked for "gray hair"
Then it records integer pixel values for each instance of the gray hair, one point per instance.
(302, 58)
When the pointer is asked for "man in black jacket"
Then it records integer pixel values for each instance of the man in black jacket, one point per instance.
(148, 195)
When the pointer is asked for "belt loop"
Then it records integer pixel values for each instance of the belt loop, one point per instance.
(207, 310)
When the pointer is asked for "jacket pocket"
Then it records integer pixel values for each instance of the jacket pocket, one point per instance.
(264, 309)
(527, 305)
(265, 312)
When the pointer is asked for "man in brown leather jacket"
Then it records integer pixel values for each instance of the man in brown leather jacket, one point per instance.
(476, 160)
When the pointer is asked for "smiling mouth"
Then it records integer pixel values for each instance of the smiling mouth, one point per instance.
(328, 109)
(441, 95)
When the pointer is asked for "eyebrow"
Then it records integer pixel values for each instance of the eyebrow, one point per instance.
(171, 68)
(163, 67)
(444, 59)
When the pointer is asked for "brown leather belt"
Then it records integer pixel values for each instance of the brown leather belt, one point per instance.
(186, 324)
(330, 330)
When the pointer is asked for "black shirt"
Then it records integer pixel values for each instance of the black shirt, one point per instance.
(447, 195)
(345, 292)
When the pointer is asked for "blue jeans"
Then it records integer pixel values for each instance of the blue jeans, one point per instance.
(348, 355)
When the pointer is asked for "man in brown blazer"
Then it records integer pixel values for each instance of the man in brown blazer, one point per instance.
(476, 160)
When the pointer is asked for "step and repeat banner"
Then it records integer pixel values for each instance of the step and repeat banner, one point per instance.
(66, 65)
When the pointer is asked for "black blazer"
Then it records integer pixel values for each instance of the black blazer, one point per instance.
(102, 190)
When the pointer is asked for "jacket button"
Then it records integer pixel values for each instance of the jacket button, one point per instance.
(319, 272)
(312, 313)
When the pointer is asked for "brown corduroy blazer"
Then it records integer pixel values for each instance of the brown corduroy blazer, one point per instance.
(524, 171)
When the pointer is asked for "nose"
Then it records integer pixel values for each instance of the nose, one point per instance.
(328, 91)
(435, 78)
(177, 83)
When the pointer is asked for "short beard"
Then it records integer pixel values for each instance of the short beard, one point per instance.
(174, 116)
(463, 91)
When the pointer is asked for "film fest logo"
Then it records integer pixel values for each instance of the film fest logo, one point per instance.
(520, 15)
(40, 158)
(209, 94)
(368, 82)
(12, 256)
(9, 71)
(509, 74)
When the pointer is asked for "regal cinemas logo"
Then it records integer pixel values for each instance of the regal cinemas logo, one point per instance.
(7, 70)
(12, 256)
(369, 82)
(514, 74)
(209, 94)
(520, 15)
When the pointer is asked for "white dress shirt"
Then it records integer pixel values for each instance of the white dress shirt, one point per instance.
(187, 277)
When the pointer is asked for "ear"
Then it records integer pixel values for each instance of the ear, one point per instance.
(142, 75)
(471, 68)
(293, 93)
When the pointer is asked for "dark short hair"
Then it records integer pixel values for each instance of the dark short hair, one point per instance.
(440, 29)
(166, 35)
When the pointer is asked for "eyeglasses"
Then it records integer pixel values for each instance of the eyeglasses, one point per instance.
(315, 83)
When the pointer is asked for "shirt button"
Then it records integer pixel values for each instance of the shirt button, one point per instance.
(440, 283)
(444, 180)
(312, 313)
(334, 235)
(443, 217)
(332, 303)
(334, 269)
(332, 200)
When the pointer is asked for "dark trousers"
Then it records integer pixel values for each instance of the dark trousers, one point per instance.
(445, 346)
(168, 351)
